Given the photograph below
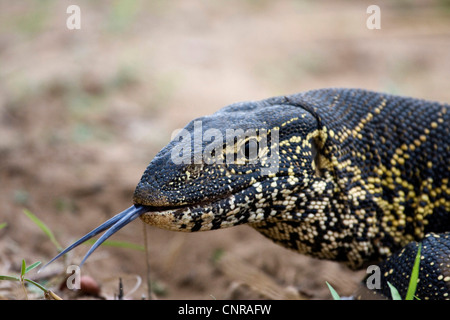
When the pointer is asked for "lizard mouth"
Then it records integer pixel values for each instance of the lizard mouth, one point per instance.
(175, 207)
(204, 215)
(228, 209)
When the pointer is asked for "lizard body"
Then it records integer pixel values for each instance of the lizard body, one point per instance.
(342, 174)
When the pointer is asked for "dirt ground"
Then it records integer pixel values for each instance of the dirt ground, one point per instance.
(82, 112)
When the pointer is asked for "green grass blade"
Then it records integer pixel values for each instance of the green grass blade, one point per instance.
(394, 292)
(9, 278)
(23, 268)
(43, 227)
(2, 225)
(334, 294)
(34, 265)
(414, 276)
(36, 284)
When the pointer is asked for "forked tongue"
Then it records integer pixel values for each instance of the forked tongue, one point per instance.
(113, 225)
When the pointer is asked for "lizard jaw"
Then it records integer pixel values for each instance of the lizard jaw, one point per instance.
(226, 211)
(195, 217)
(229, 210)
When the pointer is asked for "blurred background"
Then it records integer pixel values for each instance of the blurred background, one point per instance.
(82, 113)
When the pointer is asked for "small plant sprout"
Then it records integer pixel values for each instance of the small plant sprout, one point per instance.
(48, 294)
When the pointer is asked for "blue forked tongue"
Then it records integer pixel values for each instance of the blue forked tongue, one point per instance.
(114, 224)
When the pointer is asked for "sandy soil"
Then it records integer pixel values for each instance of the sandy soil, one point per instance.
(82, 112)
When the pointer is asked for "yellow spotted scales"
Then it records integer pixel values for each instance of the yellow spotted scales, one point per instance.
(342, 174)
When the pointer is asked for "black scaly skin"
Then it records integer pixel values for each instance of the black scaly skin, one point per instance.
(434, 270)
(361, 175)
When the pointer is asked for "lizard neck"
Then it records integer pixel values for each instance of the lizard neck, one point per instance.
(323, 222)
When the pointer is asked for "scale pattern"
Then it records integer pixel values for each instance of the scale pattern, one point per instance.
(434, 269)
(360, 176)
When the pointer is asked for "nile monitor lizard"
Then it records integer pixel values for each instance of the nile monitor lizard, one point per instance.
(340, 174)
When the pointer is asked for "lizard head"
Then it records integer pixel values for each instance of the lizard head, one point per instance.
(229, 168)
(235, 166)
